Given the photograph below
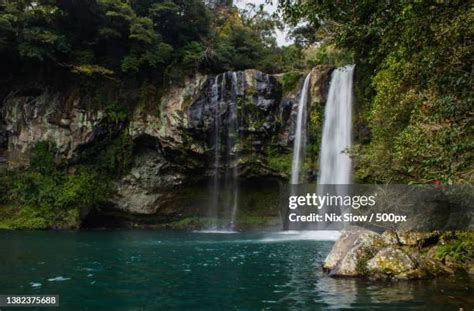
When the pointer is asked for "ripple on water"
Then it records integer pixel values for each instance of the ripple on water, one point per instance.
(35, 285)
(216, 231)
(58, 279)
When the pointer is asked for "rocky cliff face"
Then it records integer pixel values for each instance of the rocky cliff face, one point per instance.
(36, 114)
(173, 138)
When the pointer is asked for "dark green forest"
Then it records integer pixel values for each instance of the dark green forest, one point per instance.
(135, 39)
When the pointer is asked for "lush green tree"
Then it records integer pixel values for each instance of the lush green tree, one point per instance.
(33, 29)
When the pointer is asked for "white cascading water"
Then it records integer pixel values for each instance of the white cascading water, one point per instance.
(217, 146)
(232, 140)
(300, 133)
(335, 164)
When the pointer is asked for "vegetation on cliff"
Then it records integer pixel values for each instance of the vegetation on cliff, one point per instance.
(47, 195)
(414, 83)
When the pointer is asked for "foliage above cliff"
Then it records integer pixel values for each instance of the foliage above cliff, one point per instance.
(139, 39)
(414, 82)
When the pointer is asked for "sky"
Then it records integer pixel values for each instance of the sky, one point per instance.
(281, 35)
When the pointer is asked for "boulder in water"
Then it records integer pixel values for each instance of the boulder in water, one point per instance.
(391, 255)
(350, 248)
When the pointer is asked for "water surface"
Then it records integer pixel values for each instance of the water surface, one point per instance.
(146, 270)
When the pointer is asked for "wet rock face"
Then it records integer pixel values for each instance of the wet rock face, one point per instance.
(320, 83)
(226, 95)
(241, 108)
(135, 192)
(267, 92)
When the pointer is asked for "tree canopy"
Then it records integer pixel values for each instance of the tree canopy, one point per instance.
(133, 38)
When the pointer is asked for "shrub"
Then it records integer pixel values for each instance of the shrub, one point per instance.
(327, 54)
(291, 80)
(51, 195)
(456, 245)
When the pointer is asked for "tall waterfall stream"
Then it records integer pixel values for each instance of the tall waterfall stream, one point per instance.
(335, 164)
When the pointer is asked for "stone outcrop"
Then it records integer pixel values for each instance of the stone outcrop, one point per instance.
(391, 255)
(344, 258)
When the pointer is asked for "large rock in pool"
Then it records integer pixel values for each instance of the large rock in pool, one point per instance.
(352, 247)
(392, 255)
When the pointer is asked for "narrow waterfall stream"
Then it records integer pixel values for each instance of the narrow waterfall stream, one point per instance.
(215, 102)
(299, 146)
(232, 140)
(335, 164)
(225, 183)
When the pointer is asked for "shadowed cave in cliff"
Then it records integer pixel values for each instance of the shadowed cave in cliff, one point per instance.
(258, 206)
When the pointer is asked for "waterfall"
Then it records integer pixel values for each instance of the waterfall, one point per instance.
(215, 92)
(299, 143)
(225, 189)
(335, 164)
(300, 133)
(232, 140)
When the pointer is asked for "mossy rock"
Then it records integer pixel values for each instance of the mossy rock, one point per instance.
(351, 253)
(391, 261)
(418, 238)
(412, 274)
